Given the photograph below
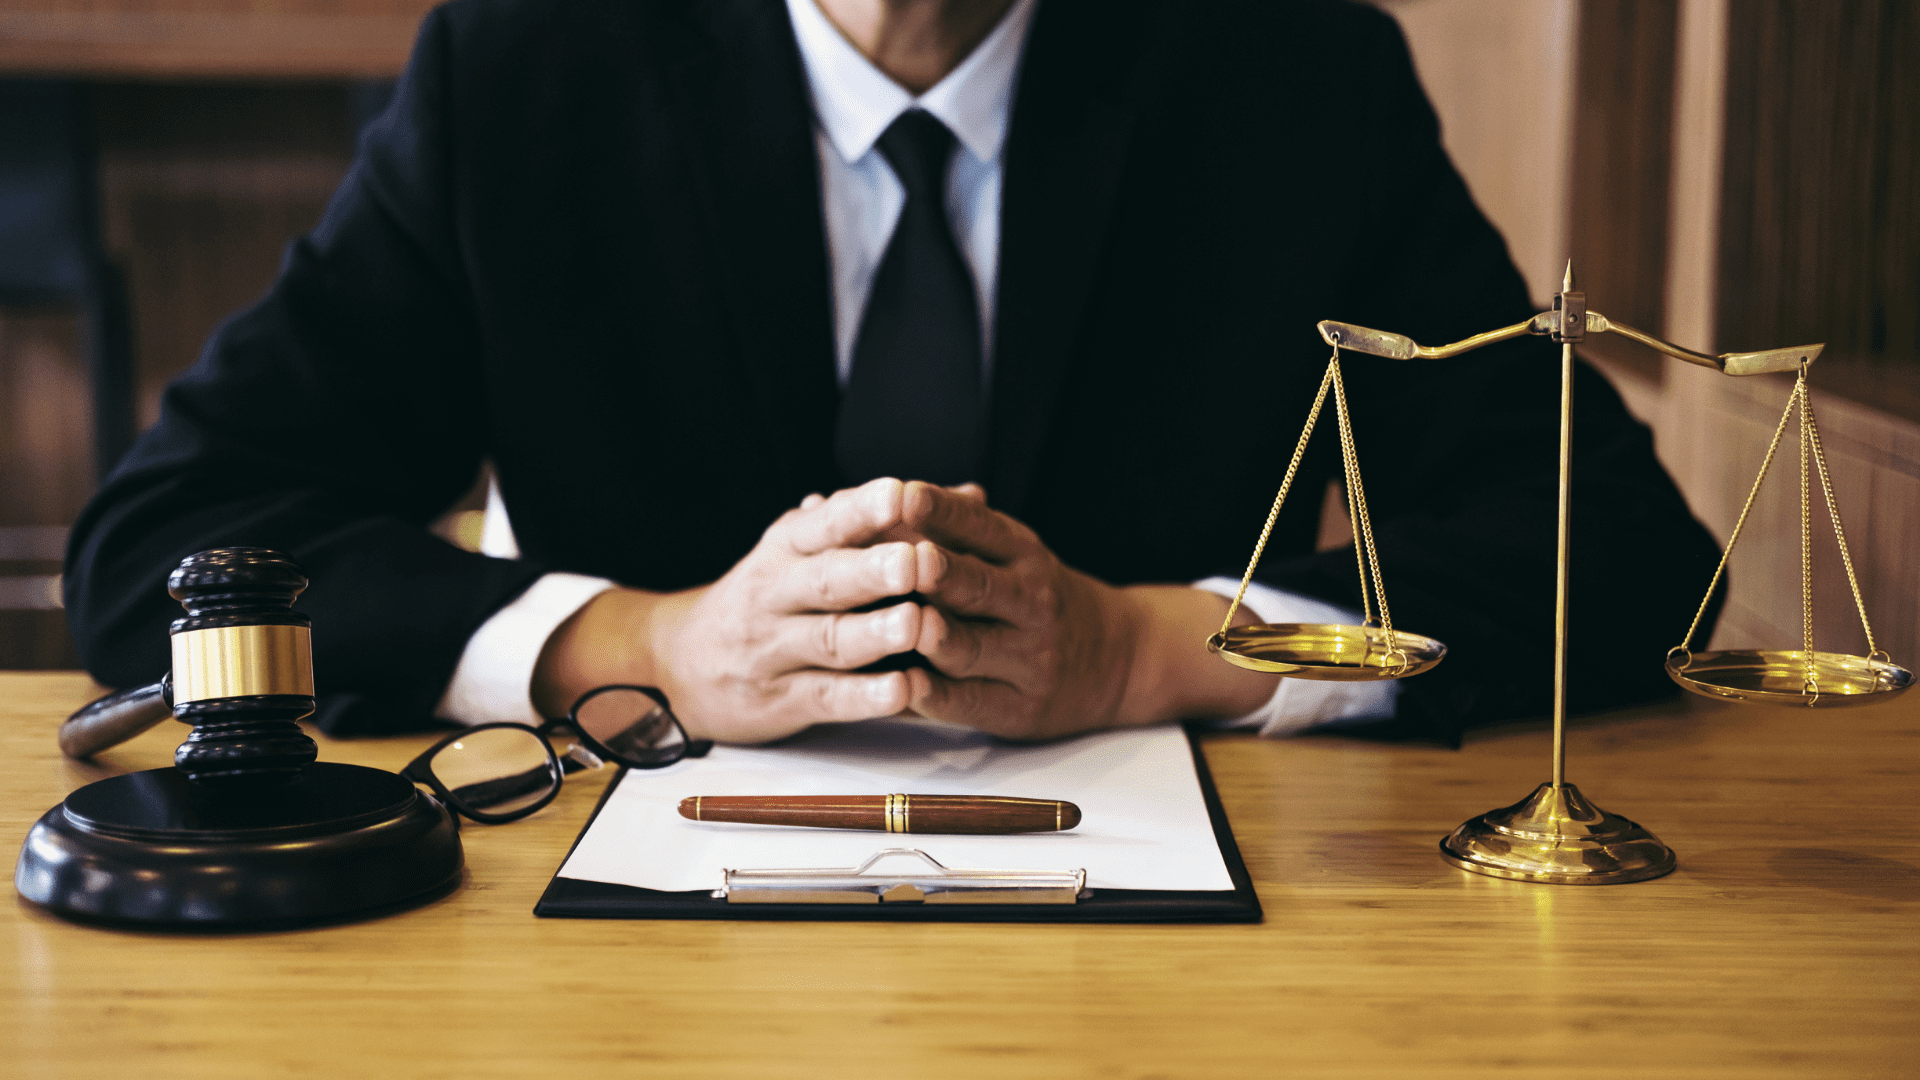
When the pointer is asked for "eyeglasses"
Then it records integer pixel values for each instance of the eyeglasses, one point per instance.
(501, 772)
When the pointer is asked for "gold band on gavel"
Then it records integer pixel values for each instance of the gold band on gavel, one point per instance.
(242, 661)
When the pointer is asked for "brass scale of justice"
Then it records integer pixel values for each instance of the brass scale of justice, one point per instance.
(1555, 835)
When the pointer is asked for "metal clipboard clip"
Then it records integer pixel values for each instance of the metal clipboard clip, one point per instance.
(933, 884)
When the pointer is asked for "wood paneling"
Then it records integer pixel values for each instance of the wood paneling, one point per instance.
(46, 416)
(1622, 164)
(1782, 948)
(201, 189)
(46, 468)
(1500, 75)
(1711, 433)
(199, 39)
(1814, 210)
(1826, 201)
(1820, 218)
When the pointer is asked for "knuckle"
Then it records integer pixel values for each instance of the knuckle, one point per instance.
(973, 651)
(827, 638)
(832, 578)
(1046, 663)
(979, 584)
(892, 564)
(1045, 596)
(819, 582)
(936, 563)
(934, 632)
(821, 698)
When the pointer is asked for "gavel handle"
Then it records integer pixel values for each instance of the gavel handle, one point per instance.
(115, 718)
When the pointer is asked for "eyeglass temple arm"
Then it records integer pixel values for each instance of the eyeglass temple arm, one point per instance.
(485, 793)
(1547, 323)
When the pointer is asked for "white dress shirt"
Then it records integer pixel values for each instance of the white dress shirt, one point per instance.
(853, 104)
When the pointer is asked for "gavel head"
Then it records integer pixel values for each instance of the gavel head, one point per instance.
(242, 668)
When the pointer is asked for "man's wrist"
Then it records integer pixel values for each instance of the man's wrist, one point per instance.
(1172, 676)
(1301, 704)
(494, 678)
(607, 641)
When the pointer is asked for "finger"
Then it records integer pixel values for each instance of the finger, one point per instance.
(969, 585)
(847, 578)
(984, 704)
(963, 523)
(833, 696)
(971, 490)
(846, 518)
(812, 501)
(961, 649)
(843, 641)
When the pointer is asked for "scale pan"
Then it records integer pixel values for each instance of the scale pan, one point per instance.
(1778, 676)
(1327, 652)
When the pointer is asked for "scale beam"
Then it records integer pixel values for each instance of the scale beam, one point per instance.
(1547, 323)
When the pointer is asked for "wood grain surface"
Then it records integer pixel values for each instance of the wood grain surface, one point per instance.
(274, 39)
(1783, 946)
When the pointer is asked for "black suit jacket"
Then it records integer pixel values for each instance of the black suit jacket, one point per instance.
(585, 242)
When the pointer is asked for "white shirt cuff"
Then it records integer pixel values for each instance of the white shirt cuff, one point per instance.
(494, 680)
(1300, 704)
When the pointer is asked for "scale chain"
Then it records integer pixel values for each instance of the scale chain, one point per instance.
(1811, 450)
(1293, 466)
(1366, 557)
(1811, 684)
(1353, 493)
(1839, 531)
(1362, 521)
(1766, 463)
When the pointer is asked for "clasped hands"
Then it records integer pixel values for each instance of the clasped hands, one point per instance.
(1016, 642)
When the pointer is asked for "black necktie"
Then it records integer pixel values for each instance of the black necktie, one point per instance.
(912, 407)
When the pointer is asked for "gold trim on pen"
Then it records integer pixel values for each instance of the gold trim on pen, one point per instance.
(696, 806)
(896, 814)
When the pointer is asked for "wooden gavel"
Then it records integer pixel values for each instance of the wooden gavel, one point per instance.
(242, 676)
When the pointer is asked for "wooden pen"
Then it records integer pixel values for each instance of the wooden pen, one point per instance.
(888, 813)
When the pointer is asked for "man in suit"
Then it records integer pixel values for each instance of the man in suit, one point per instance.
(1001, 313)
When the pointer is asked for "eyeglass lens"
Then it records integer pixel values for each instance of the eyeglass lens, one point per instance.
(632, 725)
(497, 770)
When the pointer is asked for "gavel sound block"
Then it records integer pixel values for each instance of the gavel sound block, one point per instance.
(247, 830)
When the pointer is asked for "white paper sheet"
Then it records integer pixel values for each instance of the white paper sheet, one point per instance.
(1144, 822)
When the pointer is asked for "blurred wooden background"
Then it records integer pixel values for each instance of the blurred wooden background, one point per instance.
(1735, 173)
(1729, 174)
(202, 39)
(218, 129)
(201, 187)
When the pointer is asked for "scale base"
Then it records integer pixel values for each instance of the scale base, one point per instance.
(153, 850)
(1555, 836)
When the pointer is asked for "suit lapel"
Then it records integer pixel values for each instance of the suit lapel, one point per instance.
(1072, 125)
(750, 123)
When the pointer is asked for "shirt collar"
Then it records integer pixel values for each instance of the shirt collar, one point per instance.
(854, 102)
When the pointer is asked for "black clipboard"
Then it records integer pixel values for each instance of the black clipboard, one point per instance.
(569, 898)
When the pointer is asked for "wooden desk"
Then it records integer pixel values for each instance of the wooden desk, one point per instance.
(199, 39)
(1784, 946)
